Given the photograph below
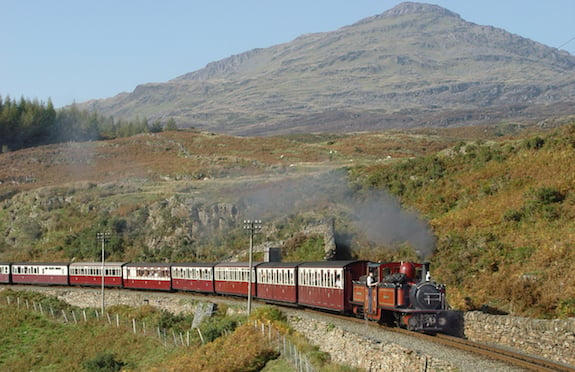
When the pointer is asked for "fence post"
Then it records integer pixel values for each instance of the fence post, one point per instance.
(65, 317)
(201, 336)
(74, 316)
(134, 325)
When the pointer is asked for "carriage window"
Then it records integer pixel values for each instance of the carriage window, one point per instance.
(338, 280)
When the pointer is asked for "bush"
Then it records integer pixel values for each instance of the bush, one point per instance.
(105, 362)
(534, 143)
(214, 328)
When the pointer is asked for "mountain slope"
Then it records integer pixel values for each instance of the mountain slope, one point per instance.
(414, 65)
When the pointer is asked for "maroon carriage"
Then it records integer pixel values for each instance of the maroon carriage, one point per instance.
(195, 277)
(327, 285)
(232, 278)
(5, 273)
(90, 274)
(277, 282)
(154, 276)
(40, 273)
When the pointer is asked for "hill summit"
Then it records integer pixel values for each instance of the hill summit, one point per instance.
(414, 65)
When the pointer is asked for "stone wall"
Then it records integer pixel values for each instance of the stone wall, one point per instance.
(550, 339)
(360, 352)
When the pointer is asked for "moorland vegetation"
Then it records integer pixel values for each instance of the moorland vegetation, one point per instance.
(498, 201)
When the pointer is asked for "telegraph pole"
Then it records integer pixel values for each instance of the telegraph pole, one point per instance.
(103, 237)
(253, 227)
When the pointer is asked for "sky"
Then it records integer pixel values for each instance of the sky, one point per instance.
(76, 50)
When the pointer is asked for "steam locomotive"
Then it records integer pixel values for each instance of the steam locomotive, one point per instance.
(395, 292)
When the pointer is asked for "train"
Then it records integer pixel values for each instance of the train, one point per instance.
(398, 293)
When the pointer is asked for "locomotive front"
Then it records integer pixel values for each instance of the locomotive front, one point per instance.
(427, 310)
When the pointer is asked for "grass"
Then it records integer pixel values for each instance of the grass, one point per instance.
(32, 340)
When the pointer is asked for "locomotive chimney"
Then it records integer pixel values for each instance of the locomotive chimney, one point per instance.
(425, 275)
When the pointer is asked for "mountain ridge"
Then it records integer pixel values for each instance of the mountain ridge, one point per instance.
(405, 65)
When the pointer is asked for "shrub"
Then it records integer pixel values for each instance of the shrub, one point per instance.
(104, 362)
(214, 328)
(534, 143)
(512, 215)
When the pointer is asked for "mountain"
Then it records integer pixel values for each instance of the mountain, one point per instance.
(414, 65)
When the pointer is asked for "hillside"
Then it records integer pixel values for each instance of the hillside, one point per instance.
(416, 65)
(492, 207)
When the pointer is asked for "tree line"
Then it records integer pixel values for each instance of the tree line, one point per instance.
(28, 123)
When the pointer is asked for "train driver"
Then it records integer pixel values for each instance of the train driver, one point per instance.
(371, 284)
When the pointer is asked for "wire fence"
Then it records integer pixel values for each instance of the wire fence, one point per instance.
(169, 338)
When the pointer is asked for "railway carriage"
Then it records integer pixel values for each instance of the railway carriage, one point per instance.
(277, 282)
(40, 273)
(232, 278)
(398, 292)
(5, 273)
(328, 285)
(154, 276)
(193, 277)
(90, 274)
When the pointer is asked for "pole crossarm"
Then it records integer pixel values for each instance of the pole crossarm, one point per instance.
(253, 227)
